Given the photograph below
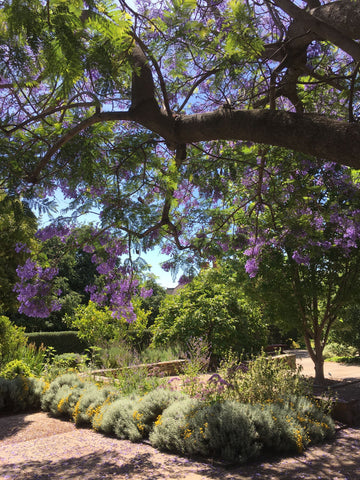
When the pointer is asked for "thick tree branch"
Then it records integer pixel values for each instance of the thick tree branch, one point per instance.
(315, 135)
(312, 134)
(321, 28)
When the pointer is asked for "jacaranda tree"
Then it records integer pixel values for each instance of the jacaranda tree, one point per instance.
(304, 260)
(147, 114)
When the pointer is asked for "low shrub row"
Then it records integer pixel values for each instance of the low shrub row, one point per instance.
(62, 342)
(172, 421)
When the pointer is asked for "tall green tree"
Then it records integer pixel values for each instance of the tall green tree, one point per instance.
(304, 260)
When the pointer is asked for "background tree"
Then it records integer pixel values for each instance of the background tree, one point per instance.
(212, 307)
(152, 303)
(347, 330)
(76, 271)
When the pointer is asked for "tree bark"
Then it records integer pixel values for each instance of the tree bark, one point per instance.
(311, 134)
(316, 355)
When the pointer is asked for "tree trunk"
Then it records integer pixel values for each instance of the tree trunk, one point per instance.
(319, 369)
(316, 354)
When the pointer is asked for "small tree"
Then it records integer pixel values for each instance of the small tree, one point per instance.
(96, 325)
(211, 307)
(12, 339)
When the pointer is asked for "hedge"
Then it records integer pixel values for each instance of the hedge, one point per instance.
(63, 342)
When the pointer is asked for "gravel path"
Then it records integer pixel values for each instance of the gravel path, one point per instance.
(38, 447)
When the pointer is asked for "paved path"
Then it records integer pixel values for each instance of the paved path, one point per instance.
(332, 370)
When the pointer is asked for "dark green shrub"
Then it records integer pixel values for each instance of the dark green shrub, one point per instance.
(63, 342)
(347, 331)
(212, 307)
(262, 379)
(65, 363)
(12, 339)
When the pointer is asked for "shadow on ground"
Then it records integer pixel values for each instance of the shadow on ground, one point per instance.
(337, 461)
(18, 422)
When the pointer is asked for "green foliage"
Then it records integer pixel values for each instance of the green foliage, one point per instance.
(137, 333)
(153, 354)
(352, 360)
(197, 357)
(59, 30)
(336, 349)
(14, 347)
(211, 307)
(136, 379)
(66, 362)
(96, 325)
(14, 369)
(347, 331)
(76, 271)
(262, 379)
(35, 358)
(20, 393)
(12, 339)
(152, 303)
(18, 225)
(259, 380)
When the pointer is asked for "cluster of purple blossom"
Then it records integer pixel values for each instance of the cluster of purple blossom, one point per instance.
(36, 294)
(36, 289)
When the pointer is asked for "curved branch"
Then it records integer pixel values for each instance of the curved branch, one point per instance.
(321, 28)
(97, 118)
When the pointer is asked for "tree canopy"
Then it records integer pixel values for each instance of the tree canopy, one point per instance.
(151, 115)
